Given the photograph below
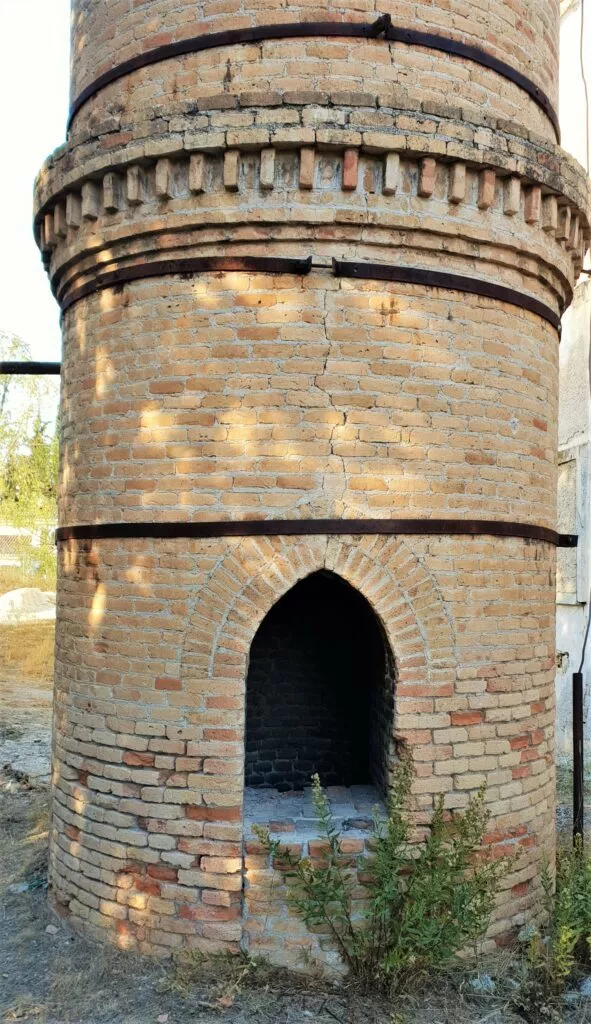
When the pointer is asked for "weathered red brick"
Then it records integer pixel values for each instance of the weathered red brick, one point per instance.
(201, 813)
(467, 717)
(163, 872)
(168, 683)
(138, 759)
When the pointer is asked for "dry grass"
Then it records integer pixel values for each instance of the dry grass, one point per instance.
(25, 1009)
(24, 824)
(228, 977)
(13, 578)
(27, 650)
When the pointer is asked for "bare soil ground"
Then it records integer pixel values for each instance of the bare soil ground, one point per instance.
(50, 975)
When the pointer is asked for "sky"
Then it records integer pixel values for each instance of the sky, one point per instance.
(573, 105)
(34, 74)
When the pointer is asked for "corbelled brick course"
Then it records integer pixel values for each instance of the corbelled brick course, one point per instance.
(234, 395)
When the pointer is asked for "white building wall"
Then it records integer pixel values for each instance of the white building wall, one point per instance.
(574, 482)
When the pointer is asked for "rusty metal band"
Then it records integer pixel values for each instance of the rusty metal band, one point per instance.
(29, 367)
(341, 268)
(382, 28)
(186, 268)
(315, 527)
(441, 279)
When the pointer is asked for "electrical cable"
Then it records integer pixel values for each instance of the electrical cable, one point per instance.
(586, 637)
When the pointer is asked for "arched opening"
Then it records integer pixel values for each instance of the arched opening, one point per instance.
(320, 691)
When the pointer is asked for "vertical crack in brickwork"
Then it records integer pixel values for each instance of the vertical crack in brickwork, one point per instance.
(326, 486)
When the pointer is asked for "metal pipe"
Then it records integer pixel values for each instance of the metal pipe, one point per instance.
(578, 760)
(29, 367)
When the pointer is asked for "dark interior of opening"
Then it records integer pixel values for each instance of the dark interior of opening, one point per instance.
(320, 690)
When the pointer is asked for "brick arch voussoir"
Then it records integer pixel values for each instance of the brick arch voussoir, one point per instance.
(276, 566)
(379, 568)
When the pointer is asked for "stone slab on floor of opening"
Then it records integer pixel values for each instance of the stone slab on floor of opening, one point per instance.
(293, 815)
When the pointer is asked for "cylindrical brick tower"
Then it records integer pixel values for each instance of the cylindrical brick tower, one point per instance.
(311, 263)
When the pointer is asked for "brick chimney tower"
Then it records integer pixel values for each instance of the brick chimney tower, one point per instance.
(311, 263)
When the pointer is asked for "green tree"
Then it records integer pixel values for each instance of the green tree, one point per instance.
(28, 482)
(28, 447)
(28, 455)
